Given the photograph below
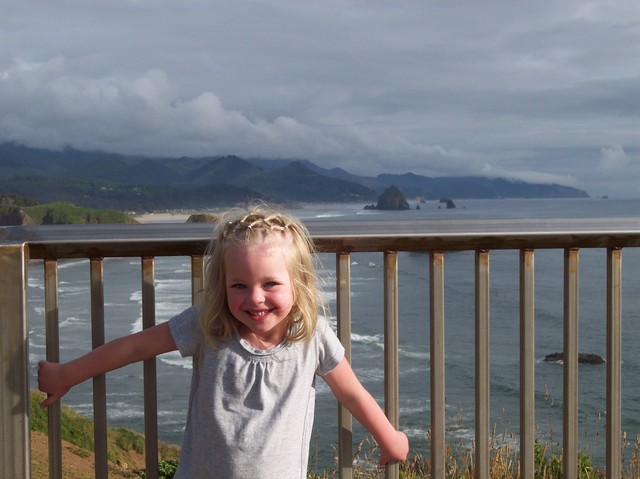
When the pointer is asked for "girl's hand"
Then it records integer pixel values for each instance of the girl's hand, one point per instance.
(51, 381)
(395, 449)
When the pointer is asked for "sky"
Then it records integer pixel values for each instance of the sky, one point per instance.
(545, 92)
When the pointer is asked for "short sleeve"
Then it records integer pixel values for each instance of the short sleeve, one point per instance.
(186, 331)
(330, 350)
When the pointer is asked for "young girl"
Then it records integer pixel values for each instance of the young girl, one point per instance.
(257, 344)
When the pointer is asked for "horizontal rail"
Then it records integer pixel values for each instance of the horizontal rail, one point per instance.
(86, 241)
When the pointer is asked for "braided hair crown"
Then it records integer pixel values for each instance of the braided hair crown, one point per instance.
(246, 228)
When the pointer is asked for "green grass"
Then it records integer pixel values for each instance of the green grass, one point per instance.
(78, 430)
(75, 428)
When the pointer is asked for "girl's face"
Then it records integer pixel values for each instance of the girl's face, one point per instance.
(259, 291)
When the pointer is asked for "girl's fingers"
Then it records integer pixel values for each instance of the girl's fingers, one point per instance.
(48, 402)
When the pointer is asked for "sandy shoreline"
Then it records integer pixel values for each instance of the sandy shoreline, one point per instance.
(162, 217)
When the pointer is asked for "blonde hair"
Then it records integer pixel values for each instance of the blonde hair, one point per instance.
(248, 228)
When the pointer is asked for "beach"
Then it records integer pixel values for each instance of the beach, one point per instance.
(162, 217)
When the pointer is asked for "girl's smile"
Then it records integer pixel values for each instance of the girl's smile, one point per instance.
(259, 291)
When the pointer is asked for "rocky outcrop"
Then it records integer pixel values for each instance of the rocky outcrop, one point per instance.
(391, 199)
(203, 218)
(449, 202)
(15, 217)
(583, 358)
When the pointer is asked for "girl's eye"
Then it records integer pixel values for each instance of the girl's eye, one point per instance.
(271, 284)
(238, 286)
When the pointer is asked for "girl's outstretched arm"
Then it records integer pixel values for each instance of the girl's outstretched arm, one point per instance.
(394, 445)
(56, 379)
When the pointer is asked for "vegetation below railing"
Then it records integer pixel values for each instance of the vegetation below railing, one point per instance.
(126, 455)
(125, 448)
(504, 462)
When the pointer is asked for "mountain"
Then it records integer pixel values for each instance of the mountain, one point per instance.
(466, 187)
(299, 183)
(462, 187)
(107, 180)
(229, 169)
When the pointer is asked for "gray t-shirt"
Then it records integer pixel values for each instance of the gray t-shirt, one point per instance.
(250, 411)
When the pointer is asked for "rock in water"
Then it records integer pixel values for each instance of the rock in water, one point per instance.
(583, 358)
(392, 199)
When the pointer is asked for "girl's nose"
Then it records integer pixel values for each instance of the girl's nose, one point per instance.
(257, 296)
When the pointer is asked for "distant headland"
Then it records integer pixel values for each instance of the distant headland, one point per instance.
(22, 211)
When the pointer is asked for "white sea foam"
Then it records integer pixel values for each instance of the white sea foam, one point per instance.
(34, 358)
(173, 282)
(184, 269)
(124, 410)
(136, 326)
(72, 263)
(76, 290)
(73, 320)
(111, 395)
(36, 341)
(86, 409)
(463, 434)
(422, 356)
(423, 368)
(174, 359)
(417, 406)
(115, 305)
(414, 432)
(376, 339)
(168, 415)
(36, 283)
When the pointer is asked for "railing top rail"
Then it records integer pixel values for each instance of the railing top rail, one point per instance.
(175, 239)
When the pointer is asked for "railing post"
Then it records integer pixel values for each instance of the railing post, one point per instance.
(482, 379)
(52, 328)
(149, 372)
(570, 359)
(99, 382)
(14, 369)
(527, 365)
(614, 368)
(391, 387)
(436, 335)
(345, 420)
(197, 278)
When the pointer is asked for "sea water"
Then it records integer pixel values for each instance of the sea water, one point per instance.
(122, 295)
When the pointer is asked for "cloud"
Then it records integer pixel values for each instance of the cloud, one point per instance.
(144, 115)
(522, 90)
(613, 158)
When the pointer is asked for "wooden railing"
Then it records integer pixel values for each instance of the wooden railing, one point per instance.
(21, 245)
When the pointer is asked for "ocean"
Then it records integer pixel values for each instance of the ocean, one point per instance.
(123, 316)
